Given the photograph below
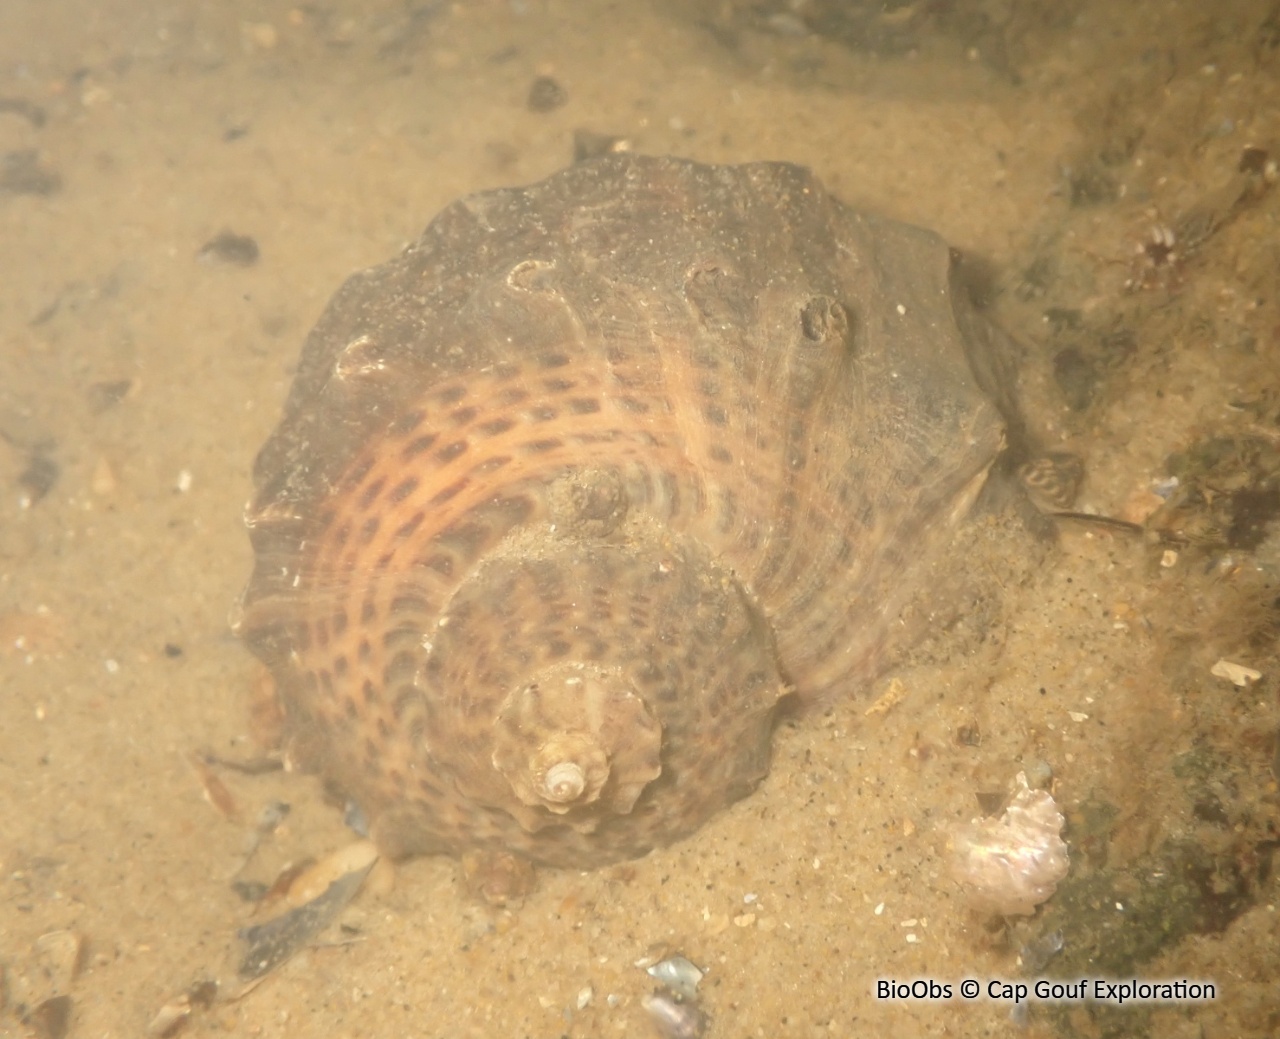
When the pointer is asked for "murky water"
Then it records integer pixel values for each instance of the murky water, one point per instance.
(1109, 165)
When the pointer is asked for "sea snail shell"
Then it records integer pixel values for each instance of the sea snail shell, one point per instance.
(567, 496)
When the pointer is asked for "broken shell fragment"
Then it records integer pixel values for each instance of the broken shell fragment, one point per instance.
(675, 1015)
(673, 1019)
(1009, 865)
(60, 956)
(678, 974)
(316, 879)
(316, 897)
(1236, 674)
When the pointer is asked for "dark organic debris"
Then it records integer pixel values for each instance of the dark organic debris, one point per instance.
(39, 476)
(23, 173)
(546, 95)
(28, 110)
(1196, 893)
(1035, 280)
(1091, 185)
(1115, 920)
(250, 890)
(238, 250)
(109, 393)
(1228, 494)
(1252, 160)
(1076, 376)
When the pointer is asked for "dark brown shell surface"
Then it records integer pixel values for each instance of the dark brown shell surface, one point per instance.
(571, 493)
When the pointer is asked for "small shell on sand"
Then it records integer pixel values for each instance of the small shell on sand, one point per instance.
(1011, 863)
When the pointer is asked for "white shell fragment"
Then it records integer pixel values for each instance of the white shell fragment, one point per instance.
(678, 974)
(1011, 864)
(1236, 674)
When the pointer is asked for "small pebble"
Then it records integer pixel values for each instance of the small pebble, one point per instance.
(258, 36)
(546, 95)
(103, 481)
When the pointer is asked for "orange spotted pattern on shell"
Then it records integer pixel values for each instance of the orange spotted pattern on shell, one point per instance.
(568, 496)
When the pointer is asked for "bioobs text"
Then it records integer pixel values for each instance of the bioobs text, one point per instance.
(921, 988)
